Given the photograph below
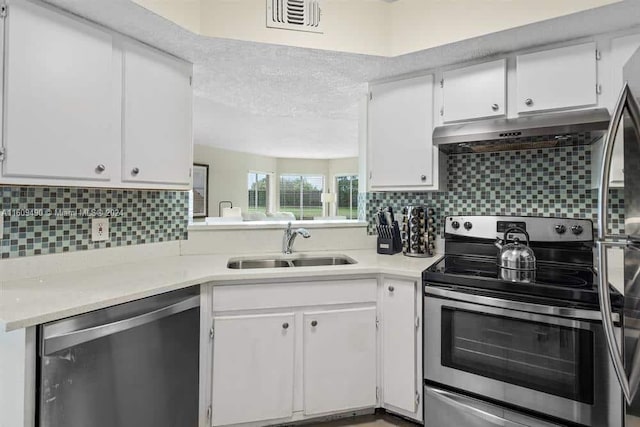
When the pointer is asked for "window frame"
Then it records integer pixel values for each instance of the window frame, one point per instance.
(302, 175)
(268, 199)
(334, 209)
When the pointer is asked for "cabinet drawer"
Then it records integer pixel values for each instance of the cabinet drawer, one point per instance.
(294, 294)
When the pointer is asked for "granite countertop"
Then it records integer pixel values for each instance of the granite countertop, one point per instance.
(28, 302)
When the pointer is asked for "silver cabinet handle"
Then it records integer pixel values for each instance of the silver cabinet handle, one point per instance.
(314, 323)
(135, 171)
(285, 325)
(100, 168)
(626, 99)
(70, 339)
(528, 102)
(391, 289)
(495, 107)
(423, 177)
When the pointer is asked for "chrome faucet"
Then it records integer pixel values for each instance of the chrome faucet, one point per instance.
(290, 237)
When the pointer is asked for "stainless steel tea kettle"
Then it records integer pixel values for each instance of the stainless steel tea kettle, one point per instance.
(517, 261)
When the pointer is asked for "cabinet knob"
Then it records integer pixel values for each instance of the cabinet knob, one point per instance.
(314, 323)
(391, 289)
(495, 107)
(528, 102)
(100, 168)
(285, 325)
(423, 177)
(135, 171)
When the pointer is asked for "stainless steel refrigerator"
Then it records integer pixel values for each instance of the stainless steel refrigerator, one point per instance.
(623, 339)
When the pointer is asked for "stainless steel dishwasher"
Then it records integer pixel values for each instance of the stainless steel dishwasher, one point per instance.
(131, 365)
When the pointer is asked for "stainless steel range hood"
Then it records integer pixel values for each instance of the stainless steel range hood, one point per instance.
(523, 133)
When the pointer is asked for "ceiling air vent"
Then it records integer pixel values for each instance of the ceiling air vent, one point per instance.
(299, 15)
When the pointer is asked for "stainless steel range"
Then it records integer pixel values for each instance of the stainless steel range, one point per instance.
(517, 340)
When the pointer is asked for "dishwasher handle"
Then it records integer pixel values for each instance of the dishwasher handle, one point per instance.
(69, 339)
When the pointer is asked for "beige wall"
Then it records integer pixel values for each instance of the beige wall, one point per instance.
(228, 172)
(422, 24)
(186, 13)
(372, 27)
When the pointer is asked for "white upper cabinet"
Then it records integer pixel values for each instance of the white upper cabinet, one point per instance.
(557, 78)
(157, 111)
(400, 125)
(58, 97)
(475, 92)
(339, 360)
(622, 48)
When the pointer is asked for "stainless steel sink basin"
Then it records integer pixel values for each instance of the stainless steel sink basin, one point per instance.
(301, 261)
(319, 261)
(258, 263)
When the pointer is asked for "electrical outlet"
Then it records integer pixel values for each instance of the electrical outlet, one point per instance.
(99, 229)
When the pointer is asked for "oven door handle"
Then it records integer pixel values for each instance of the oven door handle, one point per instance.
(465, 405)
(547, 310)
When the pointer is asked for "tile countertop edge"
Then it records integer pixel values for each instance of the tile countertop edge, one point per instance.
(72, 293)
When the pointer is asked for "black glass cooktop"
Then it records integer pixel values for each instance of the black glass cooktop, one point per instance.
(551, 280)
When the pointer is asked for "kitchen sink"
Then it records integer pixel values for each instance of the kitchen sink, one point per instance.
(301, 261)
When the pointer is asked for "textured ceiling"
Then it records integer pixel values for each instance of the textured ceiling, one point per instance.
(293, 102)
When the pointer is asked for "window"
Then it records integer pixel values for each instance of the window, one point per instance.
(347, 196)
(258, 192)
(301, 195)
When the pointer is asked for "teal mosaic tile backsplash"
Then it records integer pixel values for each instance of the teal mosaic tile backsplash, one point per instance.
(543, 182)
(46, 220)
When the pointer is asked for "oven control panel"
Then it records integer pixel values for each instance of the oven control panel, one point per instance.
(540, 229)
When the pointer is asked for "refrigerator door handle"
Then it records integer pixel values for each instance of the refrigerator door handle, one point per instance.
(607, 322)
(625, 100)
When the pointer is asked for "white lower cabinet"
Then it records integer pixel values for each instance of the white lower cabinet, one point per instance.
(253, 364)
(339, 360)
(401, 348)
(285, 352)
(400, 386)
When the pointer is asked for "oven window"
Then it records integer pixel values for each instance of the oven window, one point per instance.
(553, 359)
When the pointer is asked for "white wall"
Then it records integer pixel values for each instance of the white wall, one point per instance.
(373, 27)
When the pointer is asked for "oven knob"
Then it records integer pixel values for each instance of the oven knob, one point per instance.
(577, 230)
(455, 225)
(468, 225)
(560, 229)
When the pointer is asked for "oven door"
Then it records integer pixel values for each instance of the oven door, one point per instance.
(554, 365)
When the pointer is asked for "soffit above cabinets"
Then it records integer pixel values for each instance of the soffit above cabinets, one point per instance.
(383, 27)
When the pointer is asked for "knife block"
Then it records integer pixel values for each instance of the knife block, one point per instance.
(389, 245)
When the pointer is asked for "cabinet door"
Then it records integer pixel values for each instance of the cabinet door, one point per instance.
(400, 134)
(475, 92)
(399, 365)
(621, 51)
(157, 115)
(558, 78)
(58, 96)
(339, 361)
(253, 364)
